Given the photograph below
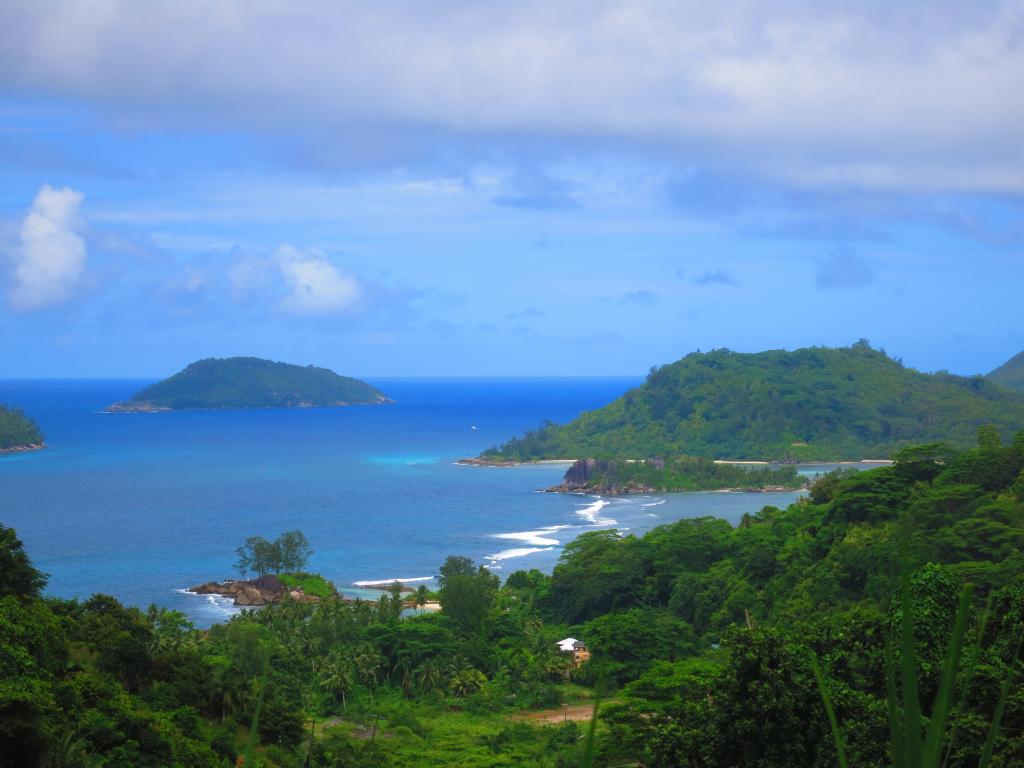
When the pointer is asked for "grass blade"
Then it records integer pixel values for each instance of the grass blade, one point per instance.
(837, 735)
(940, 709)
(997, 717)
(969, 676)
(897, 740)
(588, 746)
(908, 675)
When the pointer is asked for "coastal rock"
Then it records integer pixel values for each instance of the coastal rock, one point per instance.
(260, 591)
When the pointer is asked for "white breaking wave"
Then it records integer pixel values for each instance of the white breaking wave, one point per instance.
(508, 554)
(529, 537)
(591, 513)
(386, 582)
(657, 503)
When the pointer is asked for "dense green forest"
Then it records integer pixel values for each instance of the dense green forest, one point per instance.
(17, 430)
(812, 404)
(249, 382)
(703, 638)
(685, 473)
(1010, 374)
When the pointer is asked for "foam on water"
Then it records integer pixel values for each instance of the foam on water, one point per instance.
(388, 582)
(494, 561)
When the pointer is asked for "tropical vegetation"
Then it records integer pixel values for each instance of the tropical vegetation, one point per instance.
(17, 430)
(683, 473)
(770, 643)
(809, 404)
(1010, 374)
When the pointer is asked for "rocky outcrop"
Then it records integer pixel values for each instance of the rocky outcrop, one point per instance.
(135, 407)
(23, 448)
(591, 475)
(262, 591)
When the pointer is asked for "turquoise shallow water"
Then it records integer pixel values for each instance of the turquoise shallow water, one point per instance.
(141, 506)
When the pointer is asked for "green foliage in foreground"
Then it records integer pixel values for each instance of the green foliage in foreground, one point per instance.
(17, 430)
(685, 473)
(811, 404)
(715, 642)
(249, 382)
(1010, 374)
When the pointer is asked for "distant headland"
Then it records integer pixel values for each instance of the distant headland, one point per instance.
(250, 382)
(18, 432)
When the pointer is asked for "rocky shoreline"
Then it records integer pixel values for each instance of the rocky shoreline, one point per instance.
(257, 592)
(23, 448)
(147, 407)
(589, 476)
(482, 462)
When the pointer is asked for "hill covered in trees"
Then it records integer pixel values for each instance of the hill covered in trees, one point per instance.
(811, 404)
(702, 634)
(18, 431)
(1010, 374)
(249, 382)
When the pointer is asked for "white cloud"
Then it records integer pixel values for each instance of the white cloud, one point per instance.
(50, 256)
(894, 95)
(315, 285)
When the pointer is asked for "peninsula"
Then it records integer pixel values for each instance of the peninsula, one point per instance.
(250, 382)
(18, 432)
(814, 404)
(684, 473)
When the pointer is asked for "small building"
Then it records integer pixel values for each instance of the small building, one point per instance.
(577, 648)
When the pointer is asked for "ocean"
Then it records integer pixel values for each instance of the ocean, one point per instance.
(142, 506)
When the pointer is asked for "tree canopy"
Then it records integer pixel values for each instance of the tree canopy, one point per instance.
(17, 430)
(249, 382)
(813, 404)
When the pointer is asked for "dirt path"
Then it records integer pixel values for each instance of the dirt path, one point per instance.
(579, 713)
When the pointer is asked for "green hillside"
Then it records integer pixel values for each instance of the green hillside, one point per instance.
(17, 430)
(814, 404)
(1010, 374)
(249, 382)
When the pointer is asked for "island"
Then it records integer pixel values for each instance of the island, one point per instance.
(815, 404)
(270, 588)
(18, 432)
(1010, 374)
(250, 382)
(682, 473)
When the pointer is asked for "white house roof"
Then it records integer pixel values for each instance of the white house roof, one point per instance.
(568, 644)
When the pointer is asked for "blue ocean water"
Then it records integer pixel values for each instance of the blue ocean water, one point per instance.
(141, 506)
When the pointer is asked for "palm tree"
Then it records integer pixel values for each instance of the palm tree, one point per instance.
(420, 596)
(336, 677)
(467, 681)
(430, 675)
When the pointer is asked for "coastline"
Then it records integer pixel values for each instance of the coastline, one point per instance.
(22, 448)
(127, 407)
(479, 462)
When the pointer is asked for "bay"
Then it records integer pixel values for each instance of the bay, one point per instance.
(141, 506)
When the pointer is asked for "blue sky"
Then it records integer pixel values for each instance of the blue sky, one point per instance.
(506, 188)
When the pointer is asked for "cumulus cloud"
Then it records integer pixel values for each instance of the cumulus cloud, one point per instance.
(844, 268)
(315, 285)
(50, 256)
(894, 95)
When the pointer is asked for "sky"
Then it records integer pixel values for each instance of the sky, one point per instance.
(506, 188)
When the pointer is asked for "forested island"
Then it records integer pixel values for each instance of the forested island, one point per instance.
(888, 597)
(18, 432)
(249, 382)
(1010, 374)
(685, 473)
(814, 404)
